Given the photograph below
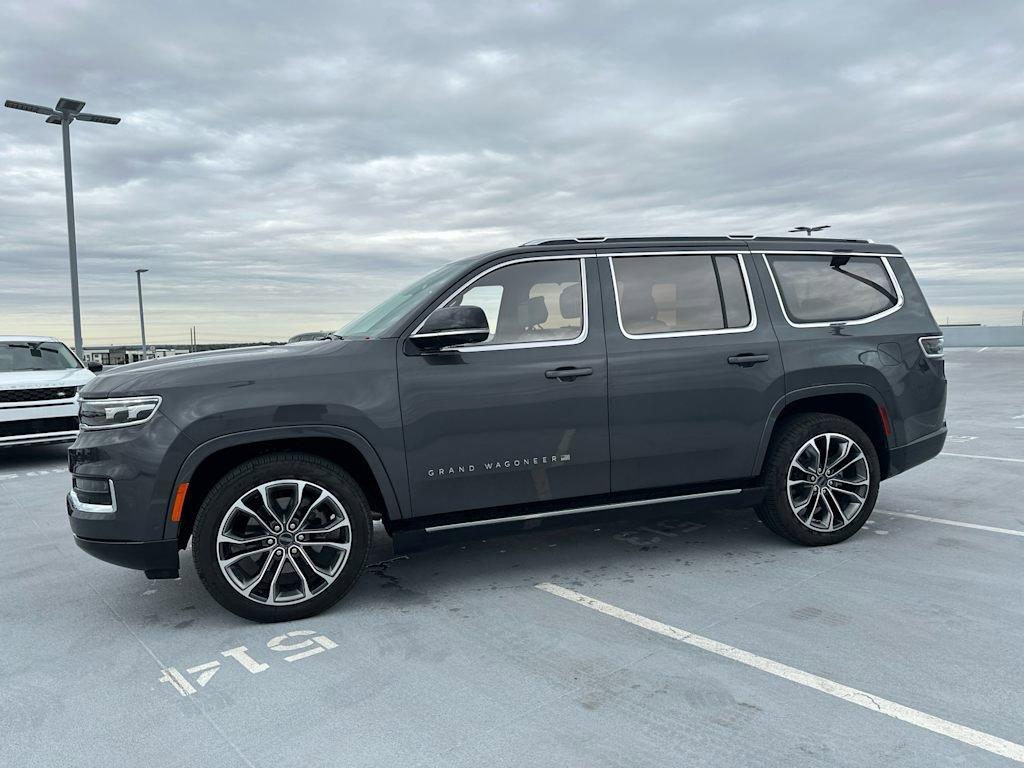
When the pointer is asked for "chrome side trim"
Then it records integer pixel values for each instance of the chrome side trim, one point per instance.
(827, 323)
(581, 510)
(677, 334)
(524, 344)
(94, 509)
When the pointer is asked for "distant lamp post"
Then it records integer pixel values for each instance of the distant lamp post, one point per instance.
(67, 111)
(809, 230)
(142, 316)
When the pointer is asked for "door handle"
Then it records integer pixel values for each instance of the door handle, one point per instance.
(746, 361)
(568, 373)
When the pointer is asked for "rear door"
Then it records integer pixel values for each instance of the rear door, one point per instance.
(521, 417)
(694, 366)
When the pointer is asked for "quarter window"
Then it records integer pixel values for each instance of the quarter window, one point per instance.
(680, 293)
(818, 289)
(529, 302)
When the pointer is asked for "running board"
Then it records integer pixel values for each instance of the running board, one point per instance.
(412, 539)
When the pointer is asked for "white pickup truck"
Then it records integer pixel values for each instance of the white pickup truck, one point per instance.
(39, 382)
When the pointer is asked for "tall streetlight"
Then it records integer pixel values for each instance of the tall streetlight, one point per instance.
(67, 111)
(142, 316)
(809, 230)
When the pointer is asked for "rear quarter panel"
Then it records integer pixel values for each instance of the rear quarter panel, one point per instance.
(883, 355)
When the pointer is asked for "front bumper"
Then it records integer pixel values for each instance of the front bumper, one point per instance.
(159, 559)
(38, 424)
(902, 458)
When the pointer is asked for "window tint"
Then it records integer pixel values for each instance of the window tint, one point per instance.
(813, 291)
(534, 301)
(670, 294)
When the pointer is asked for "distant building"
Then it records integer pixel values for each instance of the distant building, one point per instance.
(126, 354)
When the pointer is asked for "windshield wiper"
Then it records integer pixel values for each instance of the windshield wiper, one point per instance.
(333, 335)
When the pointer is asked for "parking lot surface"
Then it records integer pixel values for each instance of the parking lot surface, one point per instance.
(454, 656)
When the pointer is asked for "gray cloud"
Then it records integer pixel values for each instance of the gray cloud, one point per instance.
(281, 167)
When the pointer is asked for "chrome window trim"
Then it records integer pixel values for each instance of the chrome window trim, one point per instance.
(456, 332)
(581, 510)
(842, 252)
(142, 399)
(752, 325)
(479, 347)
(827, 323)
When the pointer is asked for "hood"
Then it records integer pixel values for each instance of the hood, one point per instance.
(152, 376)
(68, 377)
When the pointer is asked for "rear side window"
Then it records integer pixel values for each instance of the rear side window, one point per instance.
(680, 293)
(814, 291)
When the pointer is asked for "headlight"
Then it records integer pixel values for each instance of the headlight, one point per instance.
(116, 412)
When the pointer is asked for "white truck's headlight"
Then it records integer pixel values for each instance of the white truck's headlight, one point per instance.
(116, 411)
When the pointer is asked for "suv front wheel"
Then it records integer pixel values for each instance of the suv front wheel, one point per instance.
(282, 537)
(821, 478)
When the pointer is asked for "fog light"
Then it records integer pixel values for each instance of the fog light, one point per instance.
(92, 490)
(932, 346)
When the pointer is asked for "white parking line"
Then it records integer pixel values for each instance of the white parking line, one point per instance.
(961, 733)
(976, 456)
(957, 523)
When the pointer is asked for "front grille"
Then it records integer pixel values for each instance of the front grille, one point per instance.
(26, 395)
(38, 426)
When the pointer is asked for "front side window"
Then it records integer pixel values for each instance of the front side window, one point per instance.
(821, 289)
(680, 294)
(35, 356)
(530, 302)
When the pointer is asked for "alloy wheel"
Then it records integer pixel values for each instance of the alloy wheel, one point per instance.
(828, 482)
(283, 542)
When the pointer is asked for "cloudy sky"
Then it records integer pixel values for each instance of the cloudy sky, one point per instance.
(282, 166)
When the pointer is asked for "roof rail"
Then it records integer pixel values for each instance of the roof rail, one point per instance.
(563, 240)
(668, 238)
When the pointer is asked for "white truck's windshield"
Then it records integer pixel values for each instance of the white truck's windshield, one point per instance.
(16, 356)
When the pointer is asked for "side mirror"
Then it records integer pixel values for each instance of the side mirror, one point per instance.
(452, 327)
(94, 367)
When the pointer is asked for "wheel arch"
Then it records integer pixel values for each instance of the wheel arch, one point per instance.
(860, 403)
(211, 460)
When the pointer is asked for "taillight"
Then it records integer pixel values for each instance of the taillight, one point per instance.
(932, 346)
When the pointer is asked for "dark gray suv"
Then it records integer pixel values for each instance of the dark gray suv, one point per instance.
(556, 379)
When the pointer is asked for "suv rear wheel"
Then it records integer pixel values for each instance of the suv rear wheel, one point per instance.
(282, 537)
(821, 477)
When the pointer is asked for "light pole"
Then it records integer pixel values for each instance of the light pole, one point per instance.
(142, 316)
(66, 112)
(808, 230)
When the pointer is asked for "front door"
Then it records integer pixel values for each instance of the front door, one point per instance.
(694, 367)
(521, 417)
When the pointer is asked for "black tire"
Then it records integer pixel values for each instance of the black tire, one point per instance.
(776, 511)
(248, 476)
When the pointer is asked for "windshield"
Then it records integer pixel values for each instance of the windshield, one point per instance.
(35, 356)
(377, 320)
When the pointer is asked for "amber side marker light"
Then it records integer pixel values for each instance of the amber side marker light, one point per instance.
(179, 503)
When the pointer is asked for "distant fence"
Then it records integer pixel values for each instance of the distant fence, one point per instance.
(984, 335)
